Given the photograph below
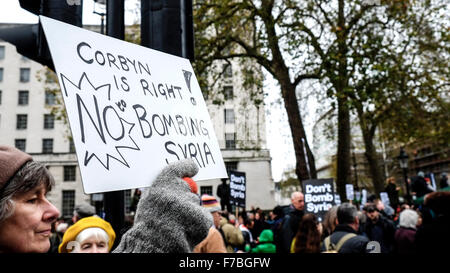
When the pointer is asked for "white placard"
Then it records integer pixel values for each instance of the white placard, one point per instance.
(349, 191)
(364, 197)
(385, 198)
(132, 110)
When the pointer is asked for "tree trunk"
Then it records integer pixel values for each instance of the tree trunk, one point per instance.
(343, 149)
(341, 85)
(372, 158)
(298, 133)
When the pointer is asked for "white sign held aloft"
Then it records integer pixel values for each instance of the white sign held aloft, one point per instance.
(132, 110)
(349, 191)
(385, 198)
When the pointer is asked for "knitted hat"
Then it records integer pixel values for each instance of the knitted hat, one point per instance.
(210, 202)
(88, 222)
(192, 184)
(11, 160)
(85, 210)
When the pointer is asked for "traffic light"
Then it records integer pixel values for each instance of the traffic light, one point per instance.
(29, 39)
(167, 25)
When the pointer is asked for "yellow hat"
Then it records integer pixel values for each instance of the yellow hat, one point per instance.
(88, 222)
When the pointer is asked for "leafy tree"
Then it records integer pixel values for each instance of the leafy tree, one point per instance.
(399, 74)
(358, 50)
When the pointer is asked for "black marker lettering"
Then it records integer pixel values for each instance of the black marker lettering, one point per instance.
(161, 122)
(201, 156)
(170, 151)
(142, 118)
(168, 123)
(99, 53)
(193, 152)
(133, 63)
(98, 127)
(123, 63)
(206, 147)
(142, 67)
(112, 60)
(106, 123)
(124, 82)
(80, 45)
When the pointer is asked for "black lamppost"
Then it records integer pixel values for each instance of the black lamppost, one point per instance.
(403, 161)
(102, 14)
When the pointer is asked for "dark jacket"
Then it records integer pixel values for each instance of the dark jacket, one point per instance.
(419, 186)
(392, 192)
(434, 236)
(289, 227)
(383, 231)
(405, 240)
(355, 244)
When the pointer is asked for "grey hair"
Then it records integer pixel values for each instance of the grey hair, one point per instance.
(31, 175)
(346, 214)
(408, 218)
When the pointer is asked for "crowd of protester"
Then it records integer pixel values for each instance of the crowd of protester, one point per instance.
(171, 216)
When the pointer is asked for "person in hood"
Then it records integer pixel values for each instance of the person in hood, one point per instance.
(265, 243)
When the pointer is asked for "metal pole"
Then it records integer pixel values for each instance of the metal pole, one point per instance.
(306, 158)
(408, 196)
(114, 203)
(355, 165)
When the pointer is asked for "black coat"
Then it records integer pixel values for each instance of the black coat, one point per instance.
(355, 244)
(288, 230)
(419, 186)
(434, 236)
(392, 192)
(383, 231)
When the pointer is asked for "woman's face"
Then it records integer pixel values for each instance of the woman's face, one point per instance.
(93, 244)
(29, 228)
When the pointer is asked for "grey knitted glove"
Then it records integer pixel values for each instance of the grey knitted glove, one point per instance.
(169, 218)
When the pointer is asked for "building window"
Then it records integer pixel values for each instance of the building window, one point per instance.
(1, 74)
(49, 98)
(2, 52)
(227, 71)
(70, 173)
(71, 146)
(206, 190)
(24, 75)
(231, 166)
(47, 146)
(230, 141)
(68, 203)
(21, 121)
(20, 144)
(49, 121)
(228, 92)
(23, 97)
(229, 116)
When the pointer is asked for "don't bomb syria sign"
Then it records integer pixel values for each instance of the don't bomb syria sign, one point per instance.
(132, 110)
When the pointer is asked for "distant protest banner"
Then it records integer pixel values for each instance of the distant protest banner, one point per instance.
(349, 191)
(319, 196)
(238, 185)
(385, 198)
(132, 110)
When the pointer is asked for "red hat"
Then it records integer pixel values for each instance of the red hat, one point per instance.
(191, 184)
(11, 160)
